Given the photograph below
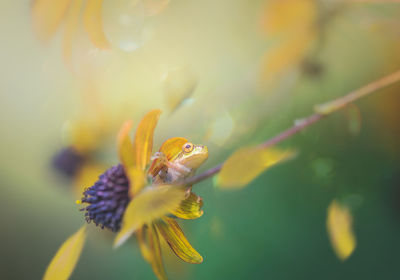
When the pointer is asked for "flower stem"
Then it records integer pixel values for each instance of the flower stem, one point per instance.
(321, 111)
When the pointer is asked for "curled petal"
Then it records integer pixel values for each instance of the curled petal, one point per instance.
(47, 16)
(93, 23)
(149, 205)
(339, 226)
(190, 208)
(248, 163)
(175, 238)
(63, 263)
(170, 149)
(156, 260)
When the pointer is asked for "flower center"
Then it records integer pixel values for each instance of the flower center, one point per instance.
(107, 199)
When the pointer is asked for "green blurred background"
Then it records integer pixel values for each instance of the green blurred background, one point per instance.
(275, 228)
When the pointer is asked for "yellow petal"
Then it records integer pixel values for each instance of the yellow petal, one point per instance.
(144, 247)
(282, 16)
(63, 263)
(143, 143)
(339, 226)
(170, 148)
(71, 27)
(47, 16)
(125, 146)
(156, 260)
(92, 20)
(247, 163)
(149, 205)
(87, 176)
(175, 238)
(190, 208)
(285, 56)
(137, 179)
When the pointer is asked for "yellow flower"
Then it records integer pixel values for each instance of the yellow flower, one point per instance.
(121, 200)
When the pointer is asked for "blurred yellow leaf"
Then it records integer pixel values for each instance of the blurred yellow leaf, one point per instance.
(283, 16)
(339, 226)
(63, 263)
(93, 23)
(175, 238)
(152, 203)
(179, 84)
(247, 163)
(47, 16)
(143, 143)
(284, 56)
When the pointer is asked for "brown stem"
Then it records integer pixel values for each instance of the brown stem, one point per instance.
(321, 111)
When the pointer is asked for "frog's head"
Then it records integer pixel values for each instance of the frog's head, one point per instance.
(192, 156)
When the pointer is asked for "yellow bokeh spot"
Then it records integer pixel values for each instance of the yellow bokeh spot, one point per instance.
(339, 226)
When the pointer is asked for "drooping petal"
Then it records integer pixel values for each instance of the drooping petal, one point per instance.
(71, 27)
(149, 205)
(175, 238)
(156, 260)
(249, 162)
(47, 16)
(63, 263)
(339, 226)
(190, 208)
(125, 146)
(170, 149)
(144, 247)
(92, 20)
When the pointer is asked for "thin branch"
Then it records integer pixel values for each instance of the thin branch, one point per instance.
(321, 111)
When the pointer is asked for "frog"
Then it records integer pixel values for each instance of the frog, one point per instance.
(175, 162)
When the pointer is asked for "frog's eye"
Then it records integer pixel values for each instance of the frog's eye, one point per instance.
(188, 147)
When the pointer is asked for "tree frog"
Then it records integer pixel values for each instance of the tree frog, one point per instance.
(175, 162)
